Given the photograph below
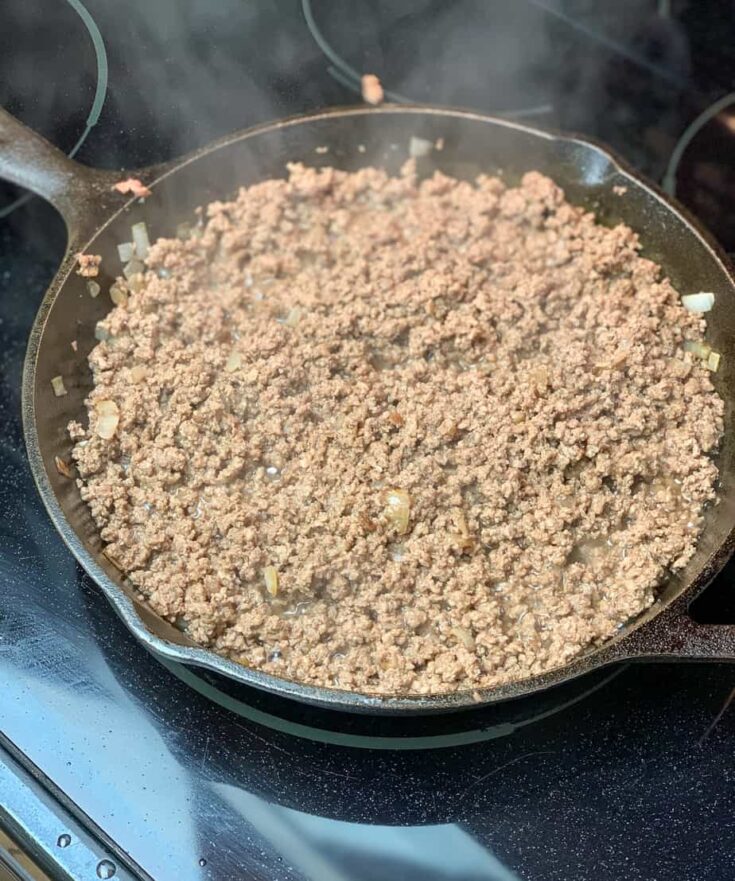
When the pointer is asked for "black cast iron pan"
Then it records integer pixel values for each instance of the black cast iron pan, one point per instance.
(98, 218)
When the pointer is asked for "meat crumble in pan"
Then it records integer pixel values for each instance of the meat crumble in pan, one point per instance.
(399, 436)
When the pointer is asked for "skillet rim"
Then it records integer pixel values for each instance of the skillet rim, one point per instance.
(631, 642)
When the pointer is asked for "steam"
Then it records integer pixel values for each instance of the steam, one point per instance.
(168, 76)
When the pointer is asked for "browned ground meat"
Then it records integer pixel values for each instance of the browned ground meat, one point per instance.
(88, 265)
(133, 186)
(324, 345)
(372, 89)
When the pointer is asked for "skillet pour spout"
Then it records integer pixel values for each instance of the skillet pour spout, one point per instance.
(97, 218)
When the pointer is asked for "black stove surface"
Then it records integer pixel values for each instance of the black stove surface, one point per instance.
(112, 764)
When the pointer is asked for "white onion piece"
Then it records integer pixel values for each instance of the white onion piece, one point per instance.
(126, 251)
(118, 294)
(270, 576)
(713, 361)
(293, 317)
(57, 384)
(418, 147)
(141, 240)
(93, 288)
(698, 348)
(136, 282)
(398, 509)
(702, 302)
(234, 362)
(135, 267)
(108, 418)
(138, 373)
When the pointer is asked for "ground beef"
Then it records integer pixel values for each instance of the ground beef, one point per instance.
(133, 186)
(372, 89)
(88, 265)
(399, 436)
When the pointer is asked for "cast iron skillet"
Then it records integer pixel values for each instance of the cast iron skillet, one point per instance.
(98, 218)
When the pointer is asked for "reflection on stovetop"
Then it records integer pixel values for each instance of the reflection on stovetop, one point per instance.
(617, 775)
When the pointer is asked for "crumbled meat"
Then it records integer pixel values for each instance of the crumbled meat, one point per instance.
(133, 186)
(506, 370)
(88, 265)
(372, 90)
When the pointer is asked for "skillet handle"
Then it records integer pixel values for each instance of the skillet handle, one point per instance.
(674, 634)
(30, 161)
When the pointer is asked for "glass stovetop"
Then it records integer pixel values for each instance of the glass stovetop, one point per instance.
(112, 765)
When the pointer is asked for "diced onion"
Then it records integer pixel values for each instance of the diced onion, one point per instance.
(702, 302)
(126, 250)
(136, 282)
(397, 553)
(138, 373)
(234, 362)
(698, 348)
(57, 384)
(93, 288)
(293, 317)
(270, 576)
(108, 417)
(101, 333)
(118, 294)
(713, 361)
(418, 147)
(141, 240)
(398, 509)
(135, 267)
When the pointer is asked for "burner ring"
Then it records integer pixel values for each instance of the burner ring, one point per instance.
(337, 728)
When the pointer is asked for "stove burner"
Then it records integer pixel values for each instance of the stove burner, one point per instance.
(366, 731)
(346, 75)
(701, 170)
(100, 92)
